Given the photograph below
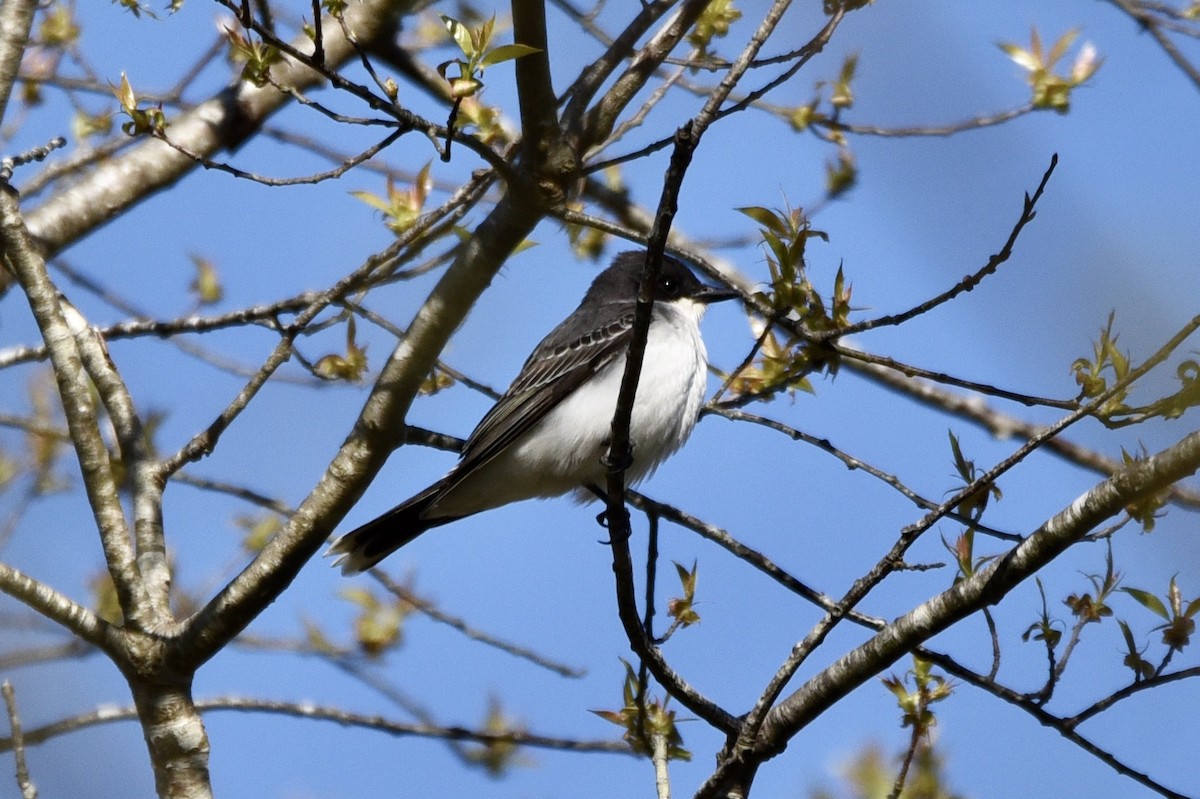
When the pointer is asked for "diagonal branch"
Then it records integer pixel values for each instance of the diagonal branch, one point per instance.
(599, 120)
(59, 608)
(968, 283)
(378, 430)
(987, 587)
(1001, 425)
(73, 382)
(222, 122)
(581, 92)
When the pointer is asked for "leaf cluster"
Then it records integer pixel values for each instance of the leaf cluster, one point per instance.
(478, 55)
(1052, 90)
(1109, 368)
(644, 718)
(499, 754)
(350, 365)
(916, 702)
(379, 626)
(786, 364)
(142, 121)
(682, 610)
(1178, 613)
(256, 57)
(713, 23)
(401, 208)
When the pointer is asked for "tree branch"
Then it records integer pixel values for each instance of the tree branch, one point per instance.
(379, 429)
(986, 587)
(535, 88)
(968, 283)
(16, 21)
(28, 791)
(58, 608)
(600, 119)
(344, 718)
(78, 407)
(223, 122)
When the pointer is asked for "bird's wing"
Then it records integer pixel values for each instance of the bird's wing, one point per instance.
(558, 366)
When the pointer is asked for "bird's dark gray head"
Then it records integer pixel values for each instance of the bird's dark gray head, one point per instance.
(675, 281)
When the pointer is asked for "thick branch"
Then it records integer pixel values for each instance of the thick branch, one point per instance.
(601, 117)
(175, 738)
(80, 411)
(535, 91)
(139, 465)
(16, 20)
(221, 123)
(58, 608)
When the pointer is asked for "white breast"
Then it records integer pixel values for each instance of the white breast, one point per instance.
(563, 451)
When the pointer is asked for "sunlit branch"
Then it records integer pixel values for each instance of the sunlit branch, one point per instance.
(764, 708)
(73, 385)
(986, 586)
(60, 609)
(221, 122)
(16, 21)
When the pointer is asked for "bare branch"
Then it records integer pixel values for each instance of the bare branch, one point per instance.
(432, 611)
(329, 174)
(1002, 425)
(1140, 13)
(601, 118)
(581, 92)
(535, 87)
(16, 20)
(58, 608)
(1062, 726)
(28, 791)
(967, 283)
(852, 462)
(378, 430)
(417, 236)
(91, 452)
(108, 715)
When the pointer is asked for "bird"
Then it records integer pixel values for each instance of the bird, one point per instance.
(547, 435)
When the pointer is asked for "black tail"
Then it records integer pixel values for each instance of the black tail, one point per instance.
(362, 548)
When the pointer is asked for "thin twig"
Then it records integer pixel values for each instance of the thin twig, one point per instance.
(968, 283)
(305, 710)
(457, 623)
(27, 788)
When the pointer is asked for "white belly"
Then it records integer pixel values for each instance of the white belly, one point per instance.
(563, 451)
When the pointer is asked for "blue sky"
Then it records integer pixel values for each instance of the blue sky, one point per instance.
(1116, 230)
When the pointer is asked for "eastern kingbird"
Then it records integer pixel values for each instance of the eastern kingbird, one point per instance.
(546, 436)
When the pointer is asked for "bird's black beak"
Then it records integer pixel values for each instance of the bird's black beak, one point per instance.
(710, 294)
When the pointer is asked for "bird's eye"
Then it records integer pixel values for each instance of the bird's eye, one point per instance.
(668, 285)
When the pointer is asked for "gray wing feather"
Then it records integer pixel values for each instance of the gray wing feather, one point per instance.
(558, 366)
